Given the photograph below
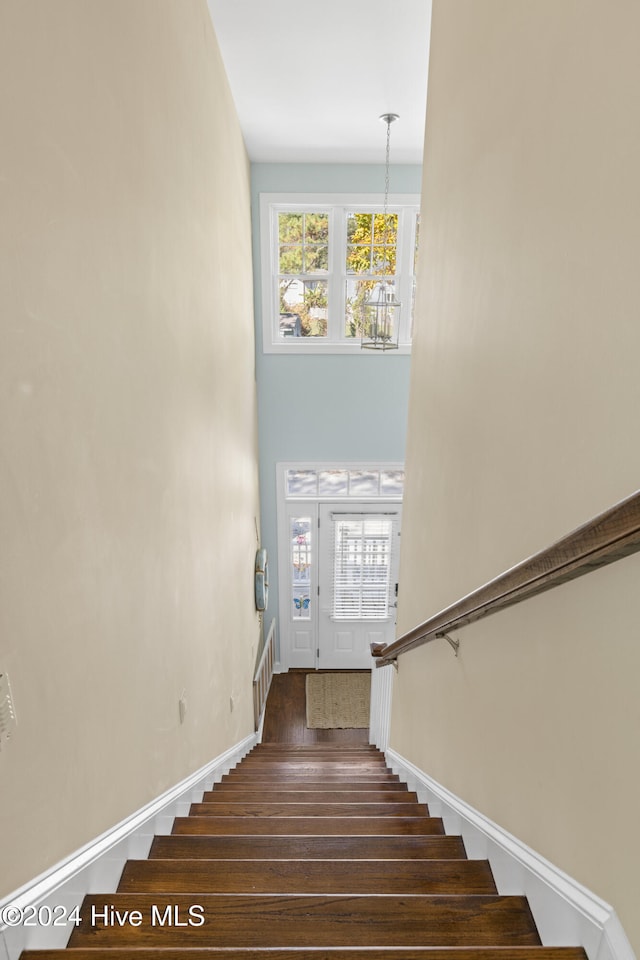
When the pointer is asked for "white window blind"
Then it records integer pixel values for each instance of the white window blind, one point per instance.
(362, 562)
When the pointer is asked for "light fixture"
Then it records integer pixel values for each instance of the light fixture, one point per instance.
(379, 320)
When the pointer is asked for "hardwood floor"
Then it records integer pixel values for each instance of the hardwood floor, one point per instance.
(285, 715)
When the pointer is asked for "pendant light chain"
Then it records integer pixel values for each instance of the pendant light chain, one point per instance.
(386, 191)
(388, 119)
(380, 330)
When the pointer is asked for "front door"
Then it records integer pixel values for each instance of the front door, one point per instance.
(358, 551)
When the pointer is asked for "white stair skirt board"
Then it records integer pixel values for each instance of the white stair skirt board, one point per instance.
(96, 867)
(565, 912)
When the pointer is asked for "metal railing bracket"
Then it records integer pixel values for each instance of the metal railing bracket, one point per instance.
(454, 644)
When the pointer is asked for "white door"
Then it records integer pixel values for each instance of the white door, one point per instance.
(357, 579)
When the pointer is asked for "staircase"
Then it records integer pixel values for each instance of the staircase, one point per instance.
(307, 851)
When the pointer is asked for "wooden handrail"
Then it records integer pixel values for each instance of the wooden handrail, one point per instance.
(608, 537)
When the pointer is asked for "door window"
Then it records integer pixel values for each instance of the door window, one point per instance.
(300, 542)
(361, 568)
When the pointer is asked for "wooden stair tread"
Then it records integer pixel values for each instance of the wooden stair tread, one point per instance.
(319, 751)
(321, 848)
(300, 921)
(273, 752)
(308, 753)
(319, 826)
(346, 768)
(248, 808)
(317, 746)
(304, 876)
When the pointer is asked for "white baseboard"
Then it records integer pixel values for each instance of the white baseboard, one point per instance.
(565, 912)
(96, 867)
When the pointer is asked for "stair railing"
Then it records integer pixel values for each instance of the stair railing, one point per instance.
(263, 675)
(606, 538)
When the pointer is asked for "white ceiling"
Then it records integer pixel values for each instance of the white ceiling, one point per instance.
(310, 80)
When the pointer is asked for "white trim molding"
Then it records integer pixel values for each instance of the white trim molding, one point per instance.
(97, 867)
(565, 912)
(381, 696)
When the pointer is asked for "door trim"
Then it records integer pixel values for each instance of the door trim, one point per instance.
(309, 506)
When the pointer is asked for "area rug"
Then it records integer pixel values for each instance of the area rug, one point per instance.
(338, 700)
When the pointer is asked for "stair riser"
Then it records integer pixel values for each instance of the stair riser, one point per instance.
(301, 826)
(305, 877)
(331, 953)
(220, 808)
(436, 847)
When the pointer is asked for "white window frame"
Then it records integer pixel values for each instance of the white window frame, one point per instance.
(407, 206)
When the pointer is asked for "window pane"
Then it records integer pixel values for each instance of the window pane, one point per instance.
(291, 259)
(316, 259)
(391, 483)
(363, 483)
(359, 316)
(358, 292)
(302, 483)
(359, 227)
(362, 563)
(303, 308)
(333, 483)
(317, 227)
(301, 567)
(290, 227)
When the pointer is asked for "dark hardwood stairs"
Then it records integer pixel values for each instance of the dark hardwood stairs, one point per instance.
(307, 852)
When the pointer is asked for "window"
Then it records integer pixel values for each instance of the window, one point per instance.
(338, 482)
(323, 258)
(361, 568)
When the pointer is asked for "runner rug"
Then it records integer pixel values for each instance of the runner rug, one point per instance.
(338, 700)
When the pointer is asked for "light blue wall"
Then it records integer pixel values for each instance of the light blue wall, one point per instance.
(330, 407)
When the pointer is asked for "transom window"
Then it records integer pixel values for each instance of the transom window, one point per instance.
(324, 258)
(335, 483)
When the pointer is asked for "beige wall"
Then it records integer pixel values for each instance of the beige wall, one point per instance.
(128, 479)
(524, 423)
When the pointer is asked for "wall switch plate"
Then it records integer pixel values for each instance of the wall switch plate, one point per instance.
(8, 719)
